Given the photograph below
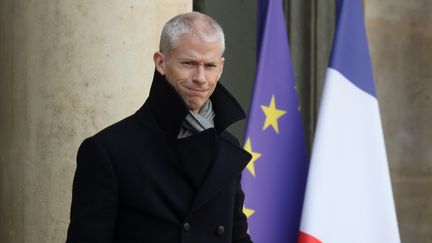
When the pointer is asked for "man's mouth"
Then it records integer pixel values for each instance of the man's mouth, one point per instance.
(195, 89)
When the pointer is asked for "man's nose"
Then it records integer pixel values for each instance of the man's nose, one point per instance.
(199, 76)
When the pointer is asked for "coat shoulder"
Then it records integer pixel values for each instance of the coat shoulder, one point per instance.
(128, 130)
(230, 137)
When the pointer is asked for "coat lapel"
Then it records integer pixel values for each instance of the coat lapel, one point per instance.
(230, 160)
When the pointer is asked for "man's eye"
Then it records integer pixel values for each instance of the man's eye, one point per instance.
(187, 63)
(210, 65)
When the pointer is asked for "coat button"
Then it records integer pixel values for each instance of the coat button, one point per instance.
(186, 227)
(220, 230)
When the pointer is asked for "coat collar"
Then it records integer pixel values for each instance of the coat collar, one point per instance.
(170, 109)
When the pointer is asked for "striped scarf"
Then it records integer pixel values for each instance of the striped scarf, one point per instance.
(198, 122)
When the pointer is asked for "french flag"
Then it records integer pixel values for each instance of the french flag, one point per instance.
(348, 194)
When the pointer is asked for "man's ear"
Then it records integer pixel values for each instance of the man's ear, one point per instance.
(159, 61)
(221, 67)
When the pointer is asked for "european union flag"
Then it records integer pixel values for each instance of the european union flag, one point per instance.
(275, 178)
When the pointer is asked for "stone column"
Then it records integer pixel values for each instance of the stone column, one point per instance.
(400, 41)
(67, 69)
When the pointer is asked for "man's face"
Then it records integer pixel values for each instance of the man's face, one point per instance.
(193, 68)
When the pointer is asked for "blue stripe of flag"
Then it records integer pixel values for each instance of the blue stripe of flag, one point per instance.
(350, 54)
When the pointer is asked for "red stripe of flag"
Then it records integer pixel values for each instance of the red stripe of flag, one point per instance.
(305, 238)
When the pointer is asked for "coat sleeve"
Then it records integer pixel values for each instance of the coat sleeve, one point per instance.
(240, 226)
(94, 196)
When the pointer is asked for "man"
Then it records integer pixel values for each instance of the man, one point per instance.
(170, 172)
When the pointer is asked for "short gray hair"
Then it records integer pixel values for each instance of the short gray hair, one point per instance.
(184, 24)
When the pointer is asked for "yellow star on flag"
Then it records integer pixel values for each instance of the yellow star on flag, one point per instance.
(248, 212)
(272, 115)
(255, 156)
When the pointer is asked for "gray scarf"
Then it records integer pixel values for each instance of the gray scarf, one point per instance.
(198, 122)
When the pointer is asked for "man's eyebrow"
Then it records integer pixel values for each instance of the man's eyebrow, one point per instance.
(187, 59)
(194, 60)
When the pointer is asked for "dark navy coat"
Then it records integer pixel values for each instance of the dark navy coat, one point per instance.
(136, 182)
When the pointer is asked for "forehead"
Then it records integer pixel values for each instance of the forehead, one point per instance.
(192, 45)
